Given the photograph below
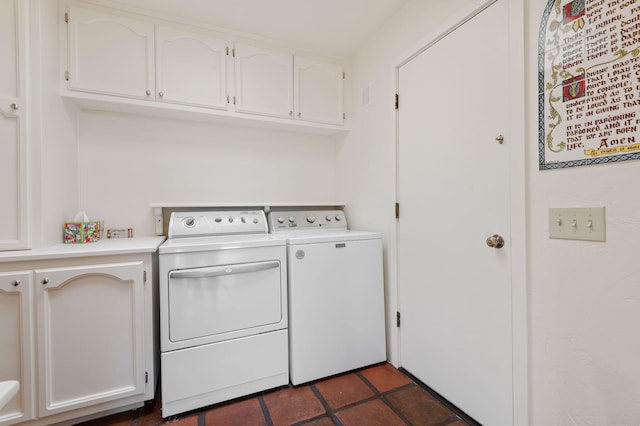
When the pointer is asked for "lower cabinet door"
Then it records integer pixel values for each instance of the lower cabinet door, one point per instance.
(16, 351)
(89, 334)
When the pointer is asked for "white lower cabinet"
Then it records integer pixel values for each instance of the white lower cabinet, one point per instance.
(92, 325)
(90, 333)
(16, 343)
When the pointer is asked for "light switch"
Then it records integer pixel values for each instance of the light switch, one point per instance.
(577, 224)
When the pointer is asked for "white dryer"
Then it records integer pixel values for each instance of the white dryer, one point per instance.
(336, 294)
(223, 309)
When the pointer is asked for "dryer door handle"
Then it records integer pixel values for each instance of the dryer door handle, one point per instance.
(216, 271)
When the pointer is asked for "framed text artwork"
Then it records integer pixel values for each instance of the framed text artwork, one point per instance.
(589, 83)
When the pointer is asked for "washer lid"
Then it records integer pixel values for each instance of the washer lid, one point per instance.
(226, 242)
(328, 236)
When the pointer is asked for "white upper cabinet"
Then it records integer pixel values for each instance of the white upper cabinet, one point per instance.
(263, 81)
(110, 54)
(318, 88)
(13, 142)
(190, 68)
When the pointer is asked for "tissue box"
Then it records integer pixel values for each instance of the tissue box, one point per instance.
(81, 232)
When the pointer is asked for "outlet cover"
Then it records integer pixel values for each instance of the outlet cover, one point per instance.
(577, 223)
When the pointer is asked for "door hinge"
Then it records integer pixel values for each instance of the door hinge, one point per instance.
(66, 17)
(233, 52)
(227, 50)
(144, 276)
(234, 100)
(398, 319)
(397, 210)
(344, 75)
(146, 377)
(397, 101)
(66, 75)
(344, 115)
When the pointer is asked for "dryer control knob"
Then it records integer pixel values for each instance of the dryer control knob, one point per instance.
(255, 221)
(292, 219)
(280, 219)
(328, 218)
(338, 217)
(230, 219)
(311, 219)
(189, 222)
(218, 219)
(243, 220)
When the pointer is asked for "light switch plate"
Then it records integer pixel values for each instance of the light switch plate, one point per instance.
(577, 223)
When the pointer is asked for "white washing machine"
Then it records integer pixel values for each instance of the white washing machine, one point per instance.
(336, 294)
(223, 309)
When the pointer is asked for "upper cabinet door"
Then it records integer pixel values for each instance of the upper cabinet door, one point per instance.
(264, 81)
(110, 54)
(13, 143)
(191, 68)
(318, 91)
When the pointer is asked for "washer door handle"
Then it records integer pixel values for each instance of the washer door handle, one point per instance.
(216, 271)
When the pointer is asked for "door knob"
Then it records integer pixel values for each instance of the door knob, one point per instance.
(495, 241)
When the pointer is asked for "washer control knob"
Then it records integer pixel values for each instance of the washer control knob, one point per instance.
(292, 219)
(328, 218)
(243, 220)
(338, 218)
(280, 219)
(255, 221)
(311, 219)
(218, 219)
(189, 222)
(230, 219)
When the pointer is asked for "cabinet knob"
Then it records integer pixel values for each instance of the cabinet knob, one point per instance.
(148, 92)
(14, 107)
(161, 94)
(16, 283)
(45, 281)
(299, 114)
(291, 113)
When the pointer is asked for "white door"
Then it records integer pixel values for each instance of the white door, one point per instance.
(110, 54)
(264, 81)
(453, 190)
(89, 334)
(191, 68)
(318, 91)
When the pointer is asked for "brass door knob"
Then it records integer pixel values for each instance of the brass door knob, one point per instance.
(495, 241)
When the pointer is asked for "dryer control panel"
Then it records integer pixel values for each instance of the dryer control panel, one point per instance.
(216, 222)
(304, 220)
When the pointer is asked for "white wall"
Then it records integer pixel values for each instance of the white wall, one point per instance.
(583, 297)
(53, 149)
(127, 162)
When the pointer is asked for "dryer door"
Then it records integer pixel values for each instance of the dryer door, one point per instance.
(227, 301)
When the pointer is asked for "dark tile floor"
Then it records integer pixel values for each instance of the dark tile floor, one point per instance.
(377, 395)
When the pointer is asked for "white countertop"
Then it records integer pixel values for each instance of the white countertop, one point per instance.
(103, 247)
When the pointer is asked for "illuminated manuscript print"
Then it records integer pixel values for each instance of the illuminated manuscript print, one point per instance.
(589, 82)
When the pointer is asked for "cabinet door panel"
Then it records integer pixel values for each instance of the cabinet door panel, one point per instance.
(318, 90)
(90, 333)
(9, 49)
(110, 54)
(16, 349)
(264, 81)
(13, 157)
(191, 68)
